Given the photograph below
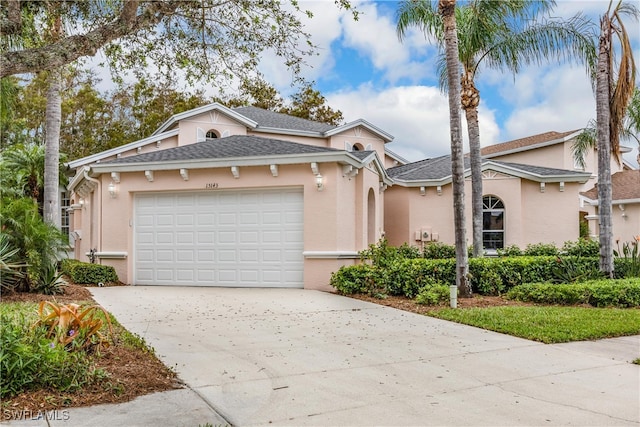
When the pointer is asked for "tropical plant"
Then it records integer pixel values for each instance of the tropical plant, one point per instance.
(11, 269)
(502, 35)
(39, 244)
(73, 328)
(631, 253)
(446, 9)
(614, 89)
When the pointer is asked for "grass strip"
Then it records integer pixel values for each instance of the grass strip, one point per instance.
(549, 324)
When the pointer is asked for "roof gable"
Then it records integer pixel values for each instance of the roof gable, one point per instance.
(205, 109)
(386, 137)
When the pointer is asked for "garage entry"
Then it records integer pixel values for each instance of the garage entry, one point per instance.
(219, 238)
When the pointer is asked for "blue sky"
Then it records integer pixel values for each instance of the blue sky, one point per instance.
(364, 71)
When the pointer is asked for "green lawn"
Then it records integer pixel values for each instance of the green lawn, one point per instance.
(549, 324)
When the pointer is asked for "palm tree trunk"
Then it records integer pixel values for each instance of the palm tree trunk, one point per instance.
(51, 206)
(603, 115)
(470, 99)
(447, 9)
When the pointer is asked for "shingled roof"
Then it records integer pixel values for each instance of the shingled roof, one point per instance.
(270, 119)
(229, 147)
(526, 143)
(625, 185)
(439, 169)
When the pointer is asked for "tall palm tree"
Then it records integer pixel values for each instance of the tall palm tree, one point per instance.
(503, 35)
(447, 11)
(615, 82)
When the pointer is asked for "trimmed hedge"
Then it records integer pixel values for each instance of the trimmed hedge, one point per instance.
(85, 273)
(598, 293)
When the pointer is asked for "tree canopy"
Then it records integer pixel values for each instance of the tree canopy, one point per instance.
(206, 39)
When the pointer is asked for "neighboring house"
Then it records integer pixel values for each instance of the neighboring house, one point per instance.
(625, 188)
(249, 197)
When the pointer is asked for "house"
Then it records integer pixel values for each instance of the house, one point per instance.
(248, 197)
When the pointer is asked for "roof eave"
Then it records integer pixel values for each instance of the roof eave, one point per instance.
(121, 149)
(322, 157)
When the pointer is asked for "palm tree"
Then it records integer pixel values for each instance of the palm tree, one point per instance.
(502, 35)
(447, 10)
(587, 139)
(614, 89)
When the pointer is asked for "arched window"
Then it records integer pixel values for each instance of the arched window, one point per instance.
(357, 147)
(211, 134)
(492, 223)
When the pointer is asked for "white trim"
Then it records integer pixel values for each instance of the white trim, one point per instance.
(365, 124)
(121, 149)
(331, 254)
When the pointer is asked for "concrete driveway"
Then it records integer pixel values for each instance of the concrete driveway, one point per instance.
(296, 357)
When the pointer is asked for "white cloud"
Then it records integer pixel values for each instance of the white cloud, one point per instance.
(564, 102)
(417, 116)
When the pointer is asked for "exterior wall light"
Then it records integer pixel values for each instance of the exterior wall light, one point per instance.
(320, 182)
(113, 190)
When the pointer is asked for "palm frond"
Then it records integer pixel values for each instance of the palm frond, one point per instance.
(583, 143)
(421, 14)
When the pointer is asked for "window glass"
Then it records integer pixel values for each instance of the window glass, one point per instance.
(492, 223)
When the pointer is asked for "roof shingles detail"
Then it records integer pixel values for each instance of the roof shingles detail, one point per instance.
(525, 142)
(625, 185)
(230, 147)
(270, 119)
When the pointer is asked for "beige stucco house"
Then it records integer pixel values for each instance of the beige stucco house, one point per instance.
(248, 197)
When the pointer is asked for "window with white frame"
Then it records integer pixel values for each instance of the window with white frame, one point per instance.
(492, 223)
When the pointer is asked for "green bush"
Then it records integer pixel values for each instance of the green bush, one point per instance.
(512, 250)
(432, 293)
(541, 249)
(575, 269)
(353, 279)
(598, 293)
(582, 248)
(628, 259)
(438, 250)
(28, 360)
(86, 273)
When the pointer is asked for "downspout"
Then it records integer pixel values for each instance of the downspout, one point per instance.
(99, 202)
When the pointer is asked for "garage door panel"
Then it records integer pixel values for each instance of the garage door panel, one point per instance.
(225, 238)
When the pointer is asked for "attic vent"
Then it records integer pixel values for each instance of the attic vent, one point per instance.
(211, 135)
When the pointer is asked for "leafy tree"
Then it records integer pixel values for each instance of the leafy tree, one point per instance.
(446, 8)
(503, 35)
(309, 104)
(614, 89)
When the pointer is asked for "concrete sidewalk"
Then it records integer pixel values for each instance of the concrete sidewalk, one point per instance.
(296, 357)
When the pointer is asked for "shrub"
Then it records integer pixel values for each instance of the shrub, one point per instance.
(512, 250)
(598, 293)
(541, 249)
(575, 269)
(433, 293)
(86, 273)
(11, 269)
(582, 248)
(438, 250)
(353, 279)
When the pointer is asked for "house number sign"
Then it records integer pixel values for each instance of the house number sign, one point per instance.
(211, 185)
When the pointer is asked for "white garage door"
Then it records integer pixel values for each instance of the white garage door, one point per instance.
(220, 238)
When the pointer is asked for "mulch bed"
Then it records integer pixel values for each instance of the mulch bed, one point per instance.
(131, 372)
